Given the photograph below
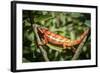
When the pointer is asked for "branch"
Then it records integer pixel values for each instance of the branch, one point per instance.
(79, 49)
(44, 53)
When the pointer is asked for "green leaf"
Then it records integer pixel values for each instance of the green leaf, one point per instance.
(27, 23)
(42, 18)
(88, 22)
(55, 48)
(73, 14)
(29, 36)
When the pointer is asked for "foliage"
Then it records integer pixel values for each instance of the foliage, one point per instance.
(68, 24)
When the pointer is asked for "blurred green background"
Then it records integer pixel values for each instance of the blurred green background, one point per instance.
(68, 24)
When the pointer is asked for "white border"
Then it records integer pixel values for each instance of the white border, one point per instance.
(38, 65)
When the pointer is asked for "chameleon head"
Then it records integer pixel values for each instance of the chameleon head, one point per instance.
(42, 30)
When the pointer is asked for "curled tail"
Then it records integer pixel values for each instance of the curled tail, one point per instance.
(78, 41)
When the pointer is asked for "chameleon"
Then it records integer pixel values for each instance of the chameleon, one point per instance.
(56, 39)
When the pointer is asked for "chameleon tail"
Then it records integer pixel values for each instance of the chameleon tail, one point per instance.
(78, 41)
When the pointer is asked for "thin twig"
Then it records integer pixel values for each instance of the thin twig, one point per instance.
(79, 49)
(44, 53)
